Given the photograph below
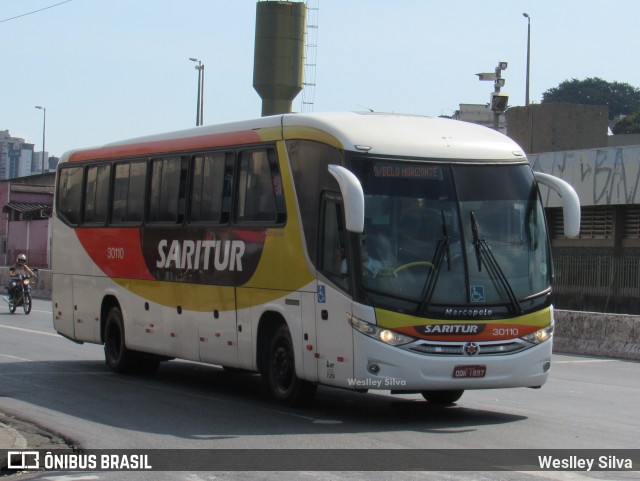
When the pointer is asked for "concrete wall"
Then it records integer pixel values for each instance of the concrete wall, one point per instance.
(608, 176)
(622, 140)
(596, 334)
(41, 287)
(554, 127)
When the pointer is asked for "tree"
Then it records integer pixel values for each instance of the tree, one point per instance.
(629, 125)
(621, 98)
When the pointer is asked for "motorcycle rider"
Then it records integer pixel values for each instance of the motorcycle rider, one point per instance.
(20, 268)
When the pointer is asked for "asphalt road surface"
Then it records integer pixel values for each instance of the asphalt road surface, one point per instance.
(66, 388)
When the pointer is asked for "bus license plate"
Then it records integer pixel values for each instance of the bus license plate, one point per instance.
(462, 372)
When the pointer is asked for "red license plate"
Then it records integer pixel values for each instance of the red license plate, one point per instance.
(463, 372)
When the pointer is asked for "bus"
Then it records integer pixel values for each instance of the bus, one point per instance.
(364, 251)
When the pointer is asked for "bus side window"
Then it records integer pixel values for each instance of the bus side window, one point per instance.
(209, 189)
(168, 190)
(70, 194)
(96, 194)
(259, 186)
(333, 261)
(128, 192)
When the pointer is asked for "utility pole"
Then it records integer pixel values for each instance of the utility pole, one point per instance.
(526, 15)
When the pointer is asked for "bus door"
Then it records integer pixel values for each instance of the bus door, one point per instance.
(334, 349)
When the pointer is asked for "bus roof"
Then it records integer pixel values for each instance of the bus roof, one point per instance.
(376, 133)
(411, 135)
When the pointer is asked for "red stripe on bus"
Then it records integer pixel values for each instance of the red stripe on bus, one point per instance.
(117, 252)
(166, 146)
(491, 332)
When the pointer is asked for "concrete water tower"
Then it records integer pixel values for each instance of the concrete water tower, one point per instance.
(278, 55)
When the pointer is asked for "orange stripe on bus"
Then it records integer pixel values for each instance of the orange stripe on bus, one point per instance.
(166, 146)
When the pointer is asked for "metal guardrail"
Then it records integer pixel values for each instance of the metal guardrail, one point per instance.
(606, 275)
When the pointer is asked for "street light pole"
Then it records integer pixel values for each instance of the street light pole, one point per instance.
(201, 75)
(44, 132)
(200, 69)
(526, 15)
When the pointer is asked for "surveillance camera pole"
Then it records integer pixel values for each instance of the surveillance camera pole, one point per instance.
(499, 101)
(496, 90)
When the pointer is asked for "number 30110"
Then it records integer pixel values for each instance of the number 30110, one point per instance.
(115, 252)
(506, 331)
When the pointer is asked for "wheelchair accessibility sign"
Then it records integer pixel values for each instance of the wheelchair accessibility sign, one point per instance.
(477, 294)
(322, 294)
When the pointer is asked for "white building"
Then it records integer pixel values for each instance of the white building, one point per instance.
(36, 164)
(480, 114)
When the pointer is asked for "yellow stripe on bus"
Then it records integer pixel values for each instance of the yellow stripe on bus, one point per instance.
(392, 320)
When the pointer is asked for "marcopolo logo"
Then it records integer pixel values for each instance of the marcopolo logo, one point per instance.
(219, 255)
(468, 312)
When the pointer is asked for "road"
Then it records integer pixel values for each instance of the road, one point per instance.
(588, 403)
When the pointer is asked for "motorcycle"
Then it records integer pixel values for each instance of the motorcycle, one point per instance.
(21, 288)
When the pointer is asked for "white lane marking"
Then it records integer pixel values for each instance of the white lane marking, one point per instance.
(32, 331)
(585, 361)
(15, 357)
(5, 307)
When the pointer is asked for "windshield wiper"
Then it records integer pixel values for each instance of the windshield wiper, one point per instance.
(484, 255)
(441, 249)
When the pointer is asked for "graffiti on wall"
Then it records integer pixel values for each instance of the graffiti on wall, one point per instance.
(600, 176)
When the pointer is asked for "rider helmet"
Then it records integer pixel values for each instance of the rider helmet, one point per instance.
(21, 260)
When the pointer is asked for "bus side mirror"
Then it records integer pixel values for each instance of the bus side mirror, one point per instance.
(570, 202)
(353, 197)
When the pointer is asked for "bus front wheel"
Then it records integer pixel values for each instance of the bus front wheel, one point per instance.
(442, 398)
(280, 374)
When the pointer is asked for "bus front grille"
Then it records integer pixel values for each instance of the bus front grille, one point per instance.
(470, 349)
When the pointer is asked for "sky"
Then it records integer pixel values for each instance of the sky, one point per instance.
(108, 70)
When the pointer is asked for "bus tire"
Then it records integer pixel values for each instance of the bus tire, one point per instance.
(442, 398)
(116, 355)
(280, 372)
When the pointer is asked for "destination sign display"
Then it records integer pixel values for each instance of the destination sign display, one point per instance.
(397, 170)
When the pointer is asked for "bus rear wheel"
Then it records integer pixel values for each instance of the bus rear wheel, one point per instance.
(280, 373)
(442, 398)
(117, 356)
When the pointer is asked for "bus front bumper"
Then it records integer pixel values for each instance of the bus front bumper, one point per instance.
(381, 366)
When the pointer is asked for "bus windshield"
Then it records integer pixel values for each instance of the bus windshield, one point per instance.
(442, 237)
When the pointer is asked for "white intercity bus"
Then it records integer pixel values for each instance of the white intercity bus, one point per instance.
(356, 250)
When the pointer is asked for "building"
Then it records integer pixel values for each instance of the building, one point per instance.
(26, 203)
(16, 156)
(37, 164)
(479, 114)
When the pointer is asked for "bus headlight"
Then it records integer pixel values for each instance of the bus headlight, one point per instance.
(385, 335)
(540, 335)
